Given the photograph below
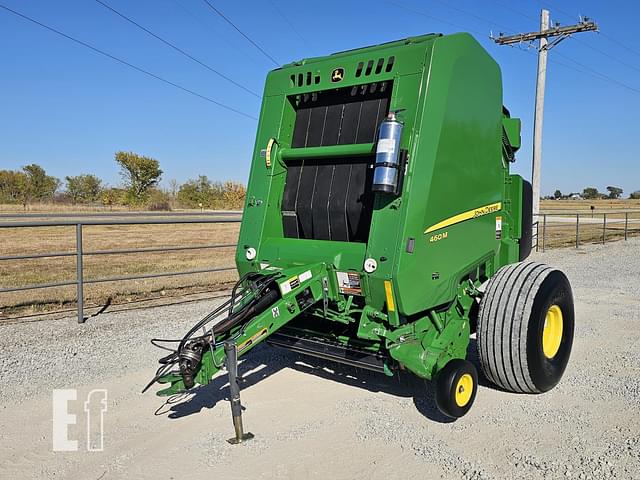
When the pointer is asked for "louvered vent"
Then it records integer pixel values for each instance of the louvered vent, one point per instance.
(304, 79)
(373, 67)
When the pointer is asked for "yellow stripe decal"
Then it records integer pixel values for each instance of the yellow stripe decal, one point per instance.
(250, 341)
(461, 217)
(389, 292)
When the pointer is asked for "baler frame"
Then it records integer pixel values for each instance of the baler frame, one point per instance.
(390, 276)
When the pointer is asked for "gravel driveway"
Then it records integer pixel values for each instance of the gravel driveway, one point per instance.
(314, 419)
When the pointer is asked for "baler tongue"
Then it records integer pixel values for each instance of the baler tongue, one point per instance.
(260, 304)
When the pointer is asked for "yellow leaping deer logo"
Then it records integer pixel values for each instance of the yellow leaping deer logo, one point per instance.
(337, 75)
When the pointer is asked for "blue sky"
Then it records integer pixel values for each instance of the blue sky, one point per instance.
(69, 109)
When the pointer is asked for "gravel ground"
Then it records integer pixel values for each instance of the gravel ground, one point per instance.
(320, 420)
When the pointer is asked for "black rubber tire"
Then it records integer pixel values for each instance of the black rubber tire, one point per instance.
(446, 384)
(511, 322)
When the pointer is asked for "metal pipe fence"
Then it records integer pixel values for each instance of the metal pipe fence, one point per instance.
(551, 229)
(80, 253)
(554, 229)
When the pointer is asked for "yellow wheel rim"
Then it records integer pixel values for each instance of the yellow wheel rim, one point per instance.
(464, 389)
(552, 332)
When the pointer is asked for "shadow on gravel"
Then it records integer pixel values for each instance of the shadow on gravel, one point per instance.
(266, 361)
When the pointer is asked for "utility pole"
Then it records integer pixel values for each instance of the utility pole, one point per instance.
(557, 34)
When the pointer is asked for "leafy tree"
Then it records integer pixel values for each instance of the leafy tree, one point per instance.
(84, 188)
(196, 193)
(158, 200)
(139, 173)
(557, 194)
(112, 196)
(635, 195)
(12, 186)
(202, 192)
(614, 192)
(233, 195)
(40, 186)
(591, 193)
(32, 183)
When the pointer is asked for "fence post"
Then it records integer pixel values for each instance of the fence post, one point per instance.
(79, 273)
(577, 230)
(544, 231)
(604, 228)
(537, 224)
(626, 223)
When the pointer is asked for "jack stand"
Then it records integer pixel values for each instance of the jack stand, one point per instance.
(231, 351)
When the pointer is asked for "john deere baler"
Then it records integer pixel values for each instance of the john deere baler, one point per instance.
(382, 228)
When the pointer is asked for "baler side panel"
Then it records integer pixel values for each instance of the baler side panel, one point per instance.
(388, 214)
(456, 167)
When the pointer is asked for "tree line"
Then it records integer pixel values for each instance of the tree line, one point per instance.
(140, 188)
(592, 193)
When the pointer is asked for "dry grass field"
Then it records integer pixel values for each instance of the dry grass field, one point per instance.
(560, 232)
(585, 205)
(25, 241)
(561, 221)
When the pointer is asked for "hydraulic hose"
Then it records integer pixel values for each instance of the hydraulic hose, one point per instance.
(189, 352)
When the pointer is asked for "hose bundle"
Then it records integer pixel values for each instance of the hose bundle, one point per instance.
(253, 293)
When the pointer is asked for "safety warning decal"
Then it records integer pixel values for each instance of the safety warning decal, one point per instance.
(287, 286)
(498, 228)
(294, 282)
(349, 283)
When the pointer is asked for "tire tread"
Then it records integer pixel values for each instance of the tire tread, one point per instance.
(503, 322)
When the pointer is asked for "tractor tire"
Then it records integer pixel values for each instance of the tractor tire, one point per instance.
(456, 387)
(525, 327)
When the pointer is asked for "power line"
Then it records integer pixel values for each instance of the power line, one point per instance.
(206, 28)
(471, 14)
(548, 37)
(177, 49)
(602, 52)
(586, 70)
(602, 75)
(241, 32)
(555, 7)
(506, 6)
(124, 62)
(288, 22)
(427, 15)
(619, 43)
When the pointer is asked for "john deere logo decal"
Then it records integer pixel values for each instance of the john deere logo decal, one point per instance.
(337, 75)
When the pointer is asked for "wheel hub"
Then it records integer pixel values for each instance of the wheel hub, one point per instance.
(552, 331)
(464, 389)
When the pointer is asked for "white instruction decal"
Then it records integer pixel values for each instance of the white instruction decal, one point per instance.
(386, 145)
(305, 276)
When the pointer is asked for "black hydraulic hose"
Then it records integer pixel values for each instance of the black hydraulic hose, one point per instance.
(265, 293)
(234, 318)
(252, 309)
